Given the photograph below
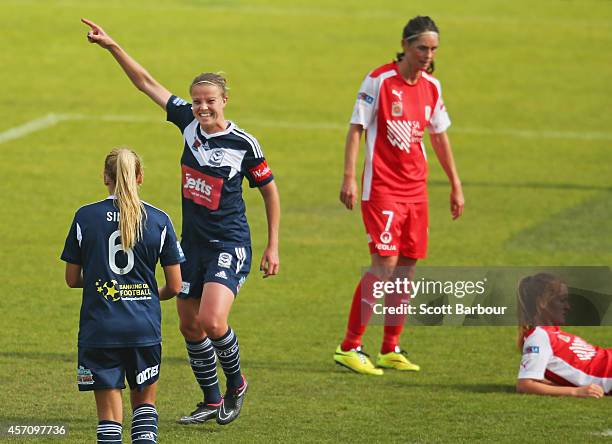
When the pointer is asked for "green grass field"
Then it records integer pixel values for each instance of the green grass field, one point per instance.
(527, 87)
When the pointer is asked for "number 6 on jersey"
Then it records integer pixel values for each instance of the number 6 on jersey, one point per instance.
(113, 249)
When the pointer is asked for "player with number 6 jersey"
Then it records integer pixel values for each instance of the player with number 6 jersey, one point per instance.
(111, 251)
(216, 156)
(396, 103)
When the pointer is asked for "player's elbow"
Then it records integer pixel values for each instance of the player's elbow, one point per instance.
(73, 276)
(73, 281)
(174, 288)
(523, 386)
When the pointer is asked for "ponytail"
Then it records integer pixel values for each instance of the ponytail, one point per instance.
(122, 167)
(534, 295)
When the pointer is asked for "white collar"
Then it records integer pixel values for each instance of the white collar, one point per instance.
(227, 130)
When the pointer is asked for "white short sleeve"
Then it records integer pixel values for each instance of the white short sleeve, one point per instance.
(537, 352)
(439, 118)
(366, 104)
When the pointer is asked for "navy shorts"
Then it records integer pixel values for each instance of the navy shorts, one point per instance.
(228, 266)
(106, 368)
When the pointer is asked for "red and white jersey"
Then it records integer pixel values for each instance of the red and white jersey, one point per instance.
(565, 359)
(395, 115)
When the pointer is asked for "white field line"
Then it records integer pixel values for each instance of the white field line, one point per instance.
(53, 119)
(29, 127)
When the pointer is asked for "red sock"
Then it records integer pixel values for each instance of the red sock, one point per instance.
(391, 338)
(361, 312)
(394, 324)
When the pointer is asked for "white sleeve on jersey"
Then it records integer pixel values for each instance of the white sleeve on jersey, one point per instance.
(366, 105)
(439, 117)
(537, 352)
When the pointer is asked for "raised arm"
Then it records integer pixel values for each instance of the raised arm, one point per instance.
(137, 74)
(270, 261)
(442, 147)
(349, 190)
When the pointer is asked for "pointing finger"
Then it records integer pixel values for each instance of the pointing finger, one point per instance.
(89, 23)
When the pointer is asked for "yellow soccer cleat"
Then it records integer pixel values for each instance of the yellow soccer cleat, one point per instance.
(357, 361)
(397, 360)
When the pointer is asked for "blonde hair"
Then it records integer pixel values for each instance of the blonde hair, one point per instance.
(122, 166)
(534, 296)
(211, 78)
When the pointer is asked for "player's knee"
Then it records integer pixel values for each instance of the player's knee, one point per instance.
(213, 327)
(191, 329)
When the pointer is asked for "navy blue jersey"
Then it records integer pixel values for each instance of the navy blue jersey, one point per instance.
(120, 305)
(212, 167)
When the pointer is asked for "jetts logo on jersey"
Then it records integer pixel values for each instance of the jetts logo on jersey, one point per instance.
(261, 172)
(201, 188)
(402, 133)
(397, 106)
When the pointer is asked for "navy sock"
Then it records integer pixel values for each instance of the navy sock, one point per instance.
(204, 365)
(229, 356)
(144, 424)
(109, 432)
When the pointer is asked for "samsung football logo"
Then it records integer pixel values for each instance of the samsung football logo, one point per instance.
(198, 185)
(109, 290)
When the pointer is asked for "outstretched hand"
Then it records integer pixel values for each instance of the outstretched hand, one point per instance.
(97, 35)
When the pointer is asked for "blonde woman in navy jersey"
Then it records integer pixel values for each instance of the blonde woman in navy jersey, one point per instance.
(216, 156)
(111, 252)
